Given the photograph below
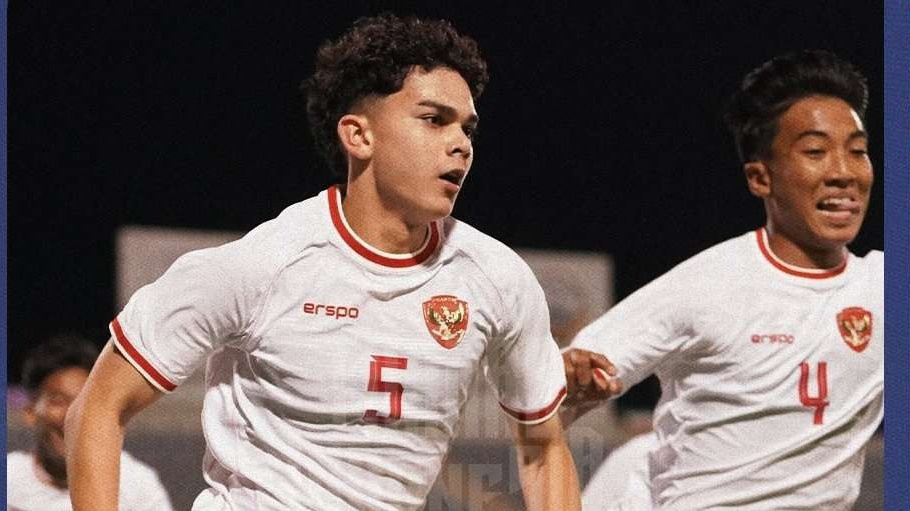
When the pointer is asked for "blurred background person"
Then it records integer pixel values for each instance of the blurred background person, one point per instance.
(53, 373)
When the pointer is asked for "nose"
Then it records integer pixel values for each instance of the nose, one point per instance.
(843, 169)
(459, 143)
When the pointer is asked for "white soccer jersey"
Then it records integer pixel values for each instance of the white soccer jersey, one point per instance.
(336, 373)
(622, 481)
(140, 488)
(771, 376)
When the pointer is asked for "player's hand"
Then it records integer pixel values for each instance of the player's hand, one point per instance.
(590, 378)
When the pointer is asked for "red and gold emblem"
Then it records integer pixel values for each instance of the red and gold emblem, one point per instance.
(447, 319)
(855, 325)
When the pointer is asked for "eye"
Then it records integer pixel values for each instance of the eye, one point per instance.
(814, 152)
(470, 131)
(859, 152)
(432, 119)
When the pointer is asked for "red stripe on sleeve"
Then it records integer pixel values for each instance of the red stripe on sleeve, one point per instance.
(130, 351)
(539, 414)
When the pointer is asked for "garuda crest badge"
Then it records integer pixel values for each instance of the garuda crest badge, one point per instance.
(855, 325)
(447, 319)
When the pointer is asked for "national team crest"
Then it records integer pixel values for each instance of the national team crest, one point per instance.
(447, 319)
(855, 325)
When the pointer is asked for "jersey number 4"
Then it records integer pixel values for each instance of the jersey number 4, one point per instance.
(820, 401)
(394, 389)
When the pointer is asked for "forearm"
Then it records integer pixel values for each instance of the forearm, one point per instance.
(545, 467)
(94, 439)
(94, 430)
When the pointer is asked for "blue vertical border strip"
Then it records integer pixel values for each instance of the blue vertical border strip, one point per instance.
(3, 92)
(897, 262)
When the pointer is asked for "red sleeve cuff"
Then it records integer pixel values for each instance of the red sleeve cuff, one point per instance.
(137, 360)
(536, 416)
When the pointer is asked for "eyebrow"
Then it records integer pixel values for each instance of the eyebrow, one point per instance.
(448, 110)
(815, 133)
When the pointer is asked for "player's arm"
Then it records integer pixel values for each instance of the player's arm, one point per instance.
(590, 380)
(545, 466)
(94, 429)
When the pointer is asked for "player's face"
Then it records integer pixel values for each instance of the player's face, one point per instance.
(48, 411)
(422, 143)
(819, 173)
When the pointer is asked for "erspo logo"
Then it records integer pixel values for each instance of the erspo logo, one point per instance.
(772, 339)
(332, 311)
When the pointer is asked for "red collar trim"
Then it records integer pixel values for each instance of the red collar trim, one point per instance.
(370, 253)
(761, 236)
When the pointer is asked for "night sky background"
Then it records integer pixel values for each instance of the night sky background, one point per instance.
(601, 129)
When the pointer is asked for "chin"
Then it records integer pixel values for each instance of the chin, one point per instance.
(439, 209)
(836, 237)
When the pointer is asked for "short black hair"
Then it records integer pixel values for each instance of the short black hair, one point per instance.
(770, 89)
(58, 352)
(373, 58)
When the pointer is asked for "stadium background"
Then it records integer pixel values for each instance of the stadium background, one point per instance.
(600, 130)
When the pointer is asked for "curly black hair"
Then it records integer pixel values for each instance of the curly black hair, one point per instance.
(374, 57)
(59, 352)
(770, 89)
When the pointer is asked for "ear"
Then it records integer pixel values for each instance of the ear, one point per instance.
(355, 135)
(758, 178)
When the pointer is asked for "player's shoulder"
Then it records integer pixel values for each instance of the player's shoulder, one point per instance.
(20, 476)
(17, 460)
(494, 258)
(874, 260)
(268, 247)
(714, 263)
(869, 269)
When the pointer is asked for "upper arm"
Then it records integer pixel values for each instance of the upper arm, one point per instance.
(523, 363)
(638, 333)
(114, 385)
(204, 301)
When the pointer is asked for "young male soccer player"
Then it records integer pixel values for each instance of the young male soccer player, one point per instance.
(53, 373)
(768, 346)
(341, 337)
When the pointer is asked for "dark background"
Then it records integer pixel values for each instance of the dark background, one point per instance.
(600, 129)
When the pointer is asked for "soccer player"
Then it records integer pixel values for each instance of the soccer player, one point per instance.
(769, 345)
(53, 373)
(341, 337)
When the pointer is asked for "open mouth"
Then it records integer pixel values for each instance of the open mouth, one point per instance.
(453, 176)
(844, 205)
(840, 210)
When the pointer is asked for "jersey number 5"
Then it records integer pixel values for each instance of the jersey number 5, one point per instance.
(394, 389)
(818, 402)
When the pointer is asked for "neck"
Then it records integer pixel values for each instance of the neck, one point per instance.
(378, 225)
(801, 255)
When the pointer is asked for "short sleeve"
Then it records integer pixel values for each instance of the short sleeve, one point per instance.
(170, 326)
(523, 364)
(638, 333)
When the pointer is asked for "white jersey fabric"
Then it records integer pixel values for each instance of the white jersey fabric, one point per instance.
(336, 373)
(27, 488)
(622, 481)
(771, 376)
